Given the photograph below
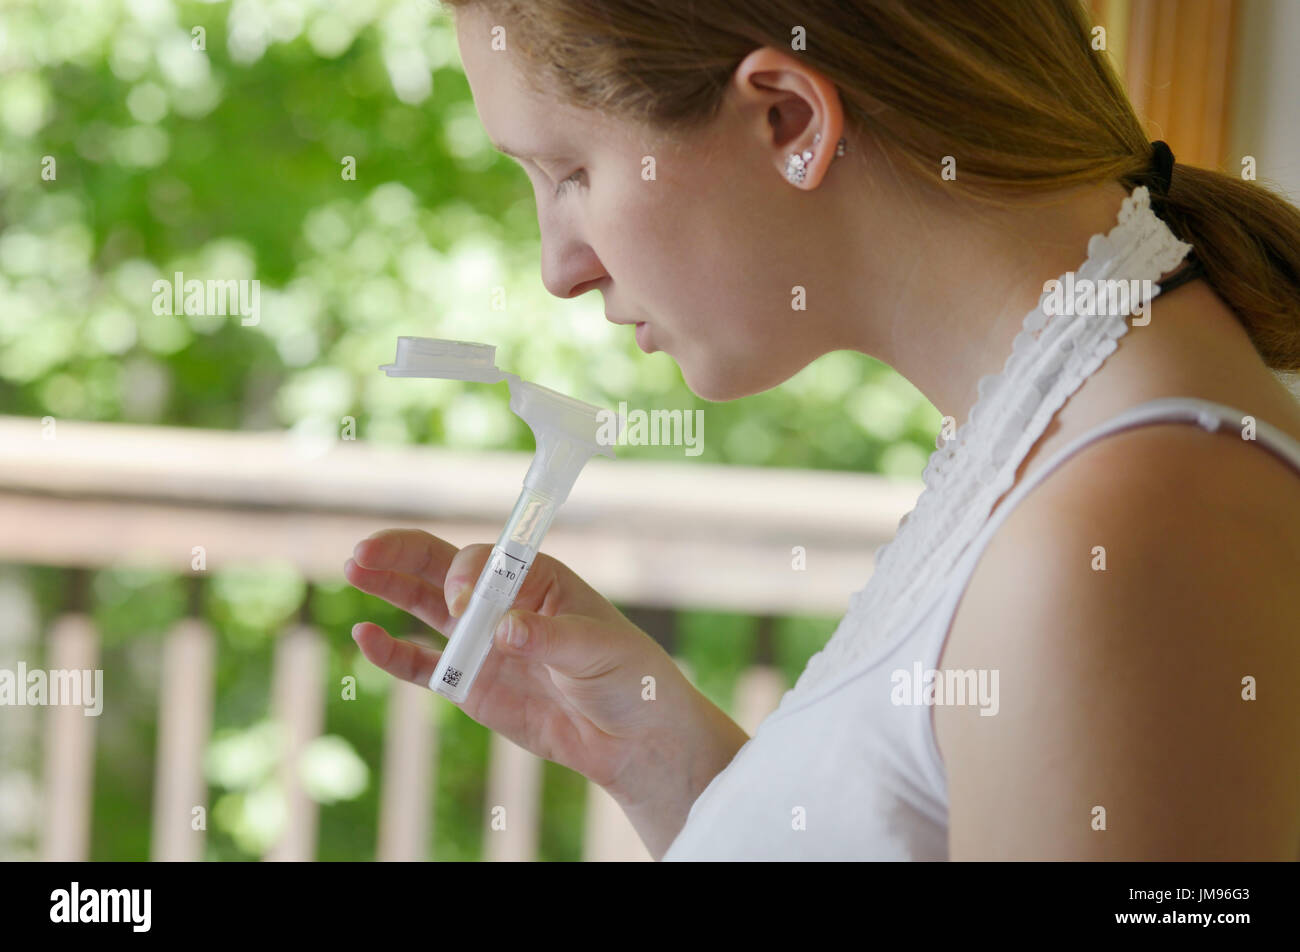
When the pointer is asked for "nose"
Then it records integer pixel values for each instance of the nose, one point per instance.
(570, 266)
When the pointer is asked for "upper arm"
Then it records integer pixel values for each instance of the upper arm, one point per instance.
(1124, 690)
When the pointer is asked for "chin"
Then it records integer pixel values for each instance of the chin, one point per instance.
(724, 383)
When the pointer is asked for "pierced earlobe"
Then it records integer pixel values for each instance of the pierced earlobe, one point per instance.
(796, 166)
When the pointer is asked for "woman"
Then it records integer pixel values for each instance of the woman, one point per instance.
(1131, 615)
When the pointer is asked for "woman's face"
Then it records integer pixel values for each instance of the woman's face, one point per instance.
(703, 240)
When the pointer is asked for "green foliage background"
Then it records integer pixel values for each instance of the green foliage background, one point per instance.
(225, 162)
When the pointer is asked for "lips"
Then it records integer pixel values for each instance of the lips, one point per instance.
(642, 330)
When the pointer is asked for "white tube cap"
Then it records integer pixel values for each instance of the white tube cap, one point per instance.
(450, 359)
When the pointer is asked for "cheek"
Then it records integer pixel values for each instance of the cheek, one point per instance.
(685, 263)
(651, 247)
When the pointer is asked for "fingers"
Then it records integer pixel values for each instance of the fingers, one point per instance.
(401, 659)
(409, 551)
(433, 580)
(575, 645)
(462, 575)
(540, 590)
(415, 595)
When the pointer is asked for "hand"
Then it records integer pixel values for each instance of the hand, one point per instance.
(572, 693)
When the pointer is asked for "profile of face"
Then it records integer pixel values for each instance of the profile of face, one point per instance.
(735, 271)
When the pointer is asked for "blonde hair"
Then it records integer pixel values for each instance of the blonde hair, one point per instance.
(1012, 88)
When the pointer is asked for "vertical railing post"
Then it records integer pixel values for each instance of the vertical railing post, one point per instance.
(297, 705)
(760, 687)
(185, 703)
(73, 645)
(514, 795)
(408, 784)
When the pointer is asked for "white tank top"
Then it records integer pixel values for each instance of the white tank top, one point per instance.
(839, 771)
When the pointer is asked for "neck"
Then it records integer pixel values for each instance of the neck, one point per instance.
(952, 299)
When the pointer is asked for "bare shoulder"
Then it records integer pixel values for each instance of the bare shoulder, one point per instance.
(1147, 482)
(1138, 606)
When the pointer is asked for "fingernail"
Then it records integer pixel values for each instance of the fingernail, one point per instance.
(459, 598)
(516, 631)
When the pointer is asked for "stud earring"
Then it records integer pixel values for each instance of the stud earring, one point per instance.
(796, 166)
(839, 146)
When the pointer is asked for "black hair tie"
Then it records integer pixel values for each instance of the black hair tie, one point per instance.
(1161, 174)
(1162, 166)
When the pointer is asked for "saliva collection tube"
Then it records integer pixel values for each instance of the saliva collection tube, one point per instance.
(567, 433)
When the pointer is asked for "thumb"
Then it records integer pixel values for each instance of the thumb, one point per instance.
(572, 644)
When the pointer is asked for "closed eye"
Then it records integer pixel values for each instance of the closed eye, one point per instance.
(569, 182)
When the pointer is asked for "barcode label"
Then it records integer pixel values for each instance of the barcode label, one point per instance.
(451, 676)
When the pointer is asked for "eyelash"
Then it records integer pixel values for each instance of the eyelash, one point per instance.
(569, 182)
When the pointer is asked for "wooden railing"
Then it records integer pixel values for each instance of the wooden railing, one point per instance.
(658, 537)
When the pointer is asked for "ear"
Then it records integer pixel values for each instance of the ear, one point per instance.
(787, 103)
